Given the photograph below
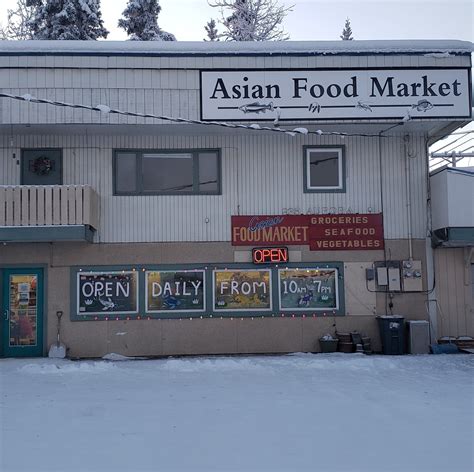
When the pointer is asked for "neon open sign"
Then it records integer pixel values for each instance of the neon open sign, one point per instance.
(269, 255)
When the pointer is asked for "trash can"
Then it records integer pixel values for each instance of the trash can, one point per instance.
(392, 333)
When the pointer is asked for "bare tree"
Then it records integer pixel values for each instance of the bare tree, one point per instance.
(252, 20)
(18, 22)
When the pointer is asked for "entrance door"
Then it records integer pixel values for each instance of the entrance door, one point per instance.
(22, 313)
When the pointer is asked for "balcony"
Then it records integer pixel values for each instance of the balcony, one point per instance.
(47, 213)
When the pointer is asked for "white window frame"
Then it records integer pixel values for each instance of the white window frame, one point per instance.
(341, 169)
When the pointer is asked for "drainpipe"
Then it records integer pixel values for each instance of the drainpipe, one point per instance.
(408, 156)
(431, 296)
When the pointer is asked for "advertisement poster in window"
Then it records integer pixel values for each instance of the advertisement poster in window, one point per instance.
(23, 310)
(308, 289)
(176, 291)
(101, 293)
(241, 290)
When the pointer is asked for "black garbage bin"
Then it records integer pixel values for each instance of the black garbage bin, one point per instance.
(392, 333)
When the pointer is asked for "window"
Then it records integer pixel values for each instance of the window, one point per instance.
(324, 169)
(167, 172)
(41, 167)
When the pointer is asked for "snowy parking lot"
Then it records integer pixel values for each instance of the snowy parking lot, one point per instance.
(300, 412)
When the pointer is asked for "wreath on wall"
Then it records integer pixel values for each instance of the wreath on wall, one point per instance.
(42, 165)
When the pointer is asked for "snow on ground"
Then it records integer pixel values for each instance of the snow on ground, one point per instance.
(303, 412)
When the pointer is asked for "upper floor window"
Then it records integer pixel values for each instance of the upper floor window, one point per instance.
(167, 172)
(41, 166)
(324, 169)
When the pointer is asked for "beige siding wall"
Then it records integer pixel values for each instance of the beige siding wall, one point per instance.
(454, 292)
(204, 336)
(261, 174)
(158, 85)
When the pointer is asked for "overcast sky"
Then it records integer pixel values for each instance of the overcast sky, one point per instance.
(316, 19)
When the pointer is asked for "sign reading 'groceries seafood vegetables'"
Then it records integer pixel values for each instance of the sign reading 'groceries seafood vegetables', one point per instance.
(338, 232)
(335, 94)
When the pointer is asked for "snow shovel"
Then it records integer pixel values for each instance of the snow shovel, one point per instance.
(58, 350)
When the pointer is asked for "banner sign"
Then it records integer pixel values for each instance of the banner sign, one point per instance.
(242, 290)
(273, 230)
(346, 232)
(321, 232)
(308, 289)
(100, 293)
(335, 94)
(178, 291)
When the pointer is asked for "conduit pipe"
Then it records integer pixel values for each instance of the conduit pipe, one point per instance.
(408, 155)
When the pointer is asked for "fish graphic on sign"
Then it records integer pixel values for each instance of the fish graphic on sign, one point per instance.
(363, 106)
(423, 105)
(170, 302)
(256, 107)
(107, 304)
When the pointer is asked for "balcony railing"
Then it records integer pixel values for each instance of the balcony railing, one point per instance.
(48, 205)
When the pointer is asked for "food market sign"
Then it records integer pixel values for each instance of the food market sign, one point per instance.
(346, 232)
(339, 232)
(335, 94)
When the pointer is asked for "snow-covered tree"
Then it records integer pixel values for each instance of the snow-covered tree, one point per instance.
(18, 22)
(67, 19)
(252, 20)
(347, 31)
(140, 21)
(211, 30)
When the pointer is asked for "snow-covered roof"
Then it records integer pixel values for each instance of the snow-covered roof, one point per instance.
(457, 170)
(436, 48)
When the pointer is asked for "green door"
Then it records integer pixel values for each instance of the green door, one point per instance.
(22, 313)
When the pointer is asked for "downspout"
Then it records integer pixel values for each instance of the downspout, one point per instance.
(431, 299)
(408, 155)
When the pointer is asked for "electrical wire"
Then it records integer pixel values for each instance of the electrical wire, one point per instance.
(452, 142)
(254, 127)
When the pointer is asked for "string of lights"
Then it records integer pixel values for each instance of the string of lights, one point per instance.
(253, 127)
(209, 316)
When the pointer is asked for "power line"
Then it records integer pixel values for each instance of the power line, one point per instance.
(451, 143)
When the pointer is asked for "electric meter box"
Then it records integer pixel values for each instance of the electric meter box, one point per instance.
(412, 279)
(394, 279)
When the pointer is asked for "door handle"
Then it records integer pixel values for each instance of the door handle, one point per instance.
(6, 314)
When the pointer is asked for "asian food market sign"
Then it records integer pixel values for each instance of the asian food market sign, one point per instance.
(338, 232)
(335, 94)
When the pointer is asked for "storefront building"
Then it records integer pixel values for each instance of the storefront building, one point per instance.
(196, 198)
